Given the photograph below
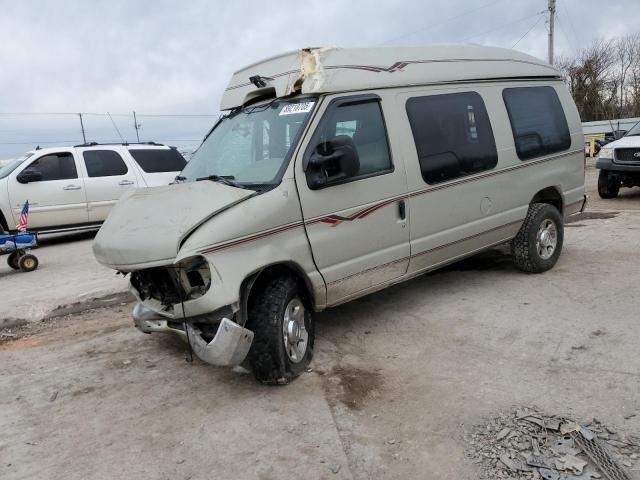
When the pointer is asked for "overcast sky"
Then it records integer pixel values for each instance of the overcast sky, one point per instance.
(176, 57)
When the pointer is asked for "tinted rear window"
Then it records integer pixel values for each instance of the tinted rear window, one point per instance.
(104, 163)
(159, 160)
(453, 135)
(537, 120)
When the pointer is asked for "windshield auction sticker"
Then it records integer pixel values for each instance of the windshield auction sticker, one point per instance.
(293, 108)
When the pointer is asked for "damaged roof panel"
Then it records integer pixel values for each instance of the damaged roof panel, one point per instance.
(324, 70)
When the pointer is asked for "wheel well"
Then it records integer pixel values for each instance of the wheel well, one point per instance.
(255, 282)
(549, 195)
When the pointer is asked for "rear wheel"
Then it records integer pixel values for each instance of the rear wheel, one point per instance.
(283, 331)
(607, 186)
(28, 262)
(12, 260)
(538, 244)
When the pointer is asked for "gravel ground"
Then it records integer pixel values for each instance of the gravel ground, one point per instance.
(400, 381)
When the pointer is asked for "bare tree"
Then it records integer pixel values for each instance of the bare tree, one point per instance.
(625, 52)
(632, 79)
(589, 79)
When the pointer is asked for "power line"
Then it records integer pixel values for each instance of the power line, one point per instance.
(527, 32)
(439, 23)
(38, 142)
(502, 27)
(575, 35)
(564, 34)
(41, 141)
(194, 115)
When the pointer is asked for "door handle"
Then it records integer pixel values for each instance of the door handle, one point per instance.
(125, 182)
(72, 187)
(402, 210)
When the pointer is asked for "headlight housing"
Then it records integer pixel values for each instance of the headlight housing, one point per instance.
(194, 276)
(186, 280)
(606, 153)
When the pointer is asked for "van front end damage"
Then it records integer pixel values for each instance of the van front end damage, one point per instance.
(214, 337)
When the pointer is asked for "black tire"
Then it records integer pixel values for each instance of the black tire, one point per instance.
(607, 187)
(28, 262)
(268, 357)
(12, 260)
(524, 247)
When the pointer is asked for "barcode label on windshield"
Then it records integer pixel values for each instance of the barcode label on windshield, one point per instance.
(292, 108)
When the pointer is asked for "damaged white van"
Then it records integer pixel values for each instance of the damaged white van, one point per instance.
(338, 172)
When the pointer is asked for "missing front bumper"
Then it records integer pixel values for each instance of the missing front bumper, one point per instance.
(229, 346)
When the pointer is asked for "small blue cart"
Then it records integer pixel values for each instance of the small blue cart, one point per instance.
(18, 247)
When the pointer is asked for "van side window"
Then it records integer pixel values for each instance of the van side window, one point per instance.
(104, 163)
(537, 120)
(453, 135)
(55, 166)
(362, 122)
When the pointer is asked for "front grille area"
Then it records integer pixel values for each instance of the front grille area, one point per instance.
(628, 155)
(159, 283)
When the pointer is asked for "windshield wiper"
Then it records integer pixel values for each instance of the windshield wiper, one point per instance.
(226, 179)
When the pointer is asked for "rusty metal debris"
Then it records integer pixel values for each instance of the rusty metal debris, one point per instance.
(599, 455)
(528, 444)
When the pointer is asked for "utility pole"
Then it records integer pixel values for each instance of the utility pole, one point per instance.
(552, 14)
(84, 138)
(136, 126)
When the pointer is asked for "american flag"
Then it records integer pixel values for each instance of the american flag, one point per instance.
(21, 226)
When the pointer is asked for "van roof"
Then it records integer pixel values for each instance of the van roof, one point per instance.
(324, 70)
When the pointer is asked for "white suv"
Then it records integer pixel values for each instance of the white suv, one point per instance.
(74, 188)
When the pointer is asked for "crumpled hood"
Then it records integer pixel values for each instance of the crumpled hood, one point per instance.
(147, 225)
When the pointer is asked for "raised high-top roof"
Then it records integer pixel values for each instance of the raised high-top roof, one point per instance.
(323, 70)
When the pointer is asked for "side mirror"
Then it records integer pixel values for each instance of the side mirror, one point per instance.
(28, 175)
(332, 162)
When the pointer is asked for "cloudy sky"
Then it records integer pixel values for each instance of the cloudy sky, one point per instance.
(176, 57)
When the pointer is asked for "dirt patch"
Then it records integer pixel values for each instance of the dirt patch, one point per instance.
(591, 216)
(83, 391)
(121, 298)
(8, 343)
(352, 386)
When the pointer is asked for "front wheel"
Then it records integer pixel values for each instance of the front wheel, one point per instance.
(12, 260)
(607, 186)
(538, 244)
(283, 331)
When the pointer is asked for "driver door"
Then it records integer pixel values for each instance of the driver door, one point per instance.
(55, 192)
(357, 226)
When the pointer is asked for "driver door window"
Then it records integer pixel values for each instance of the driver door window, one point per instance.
(362, 121)
(56, 166)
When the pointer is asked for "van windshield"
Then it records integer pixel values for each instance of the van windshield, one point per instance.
(250, 147)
